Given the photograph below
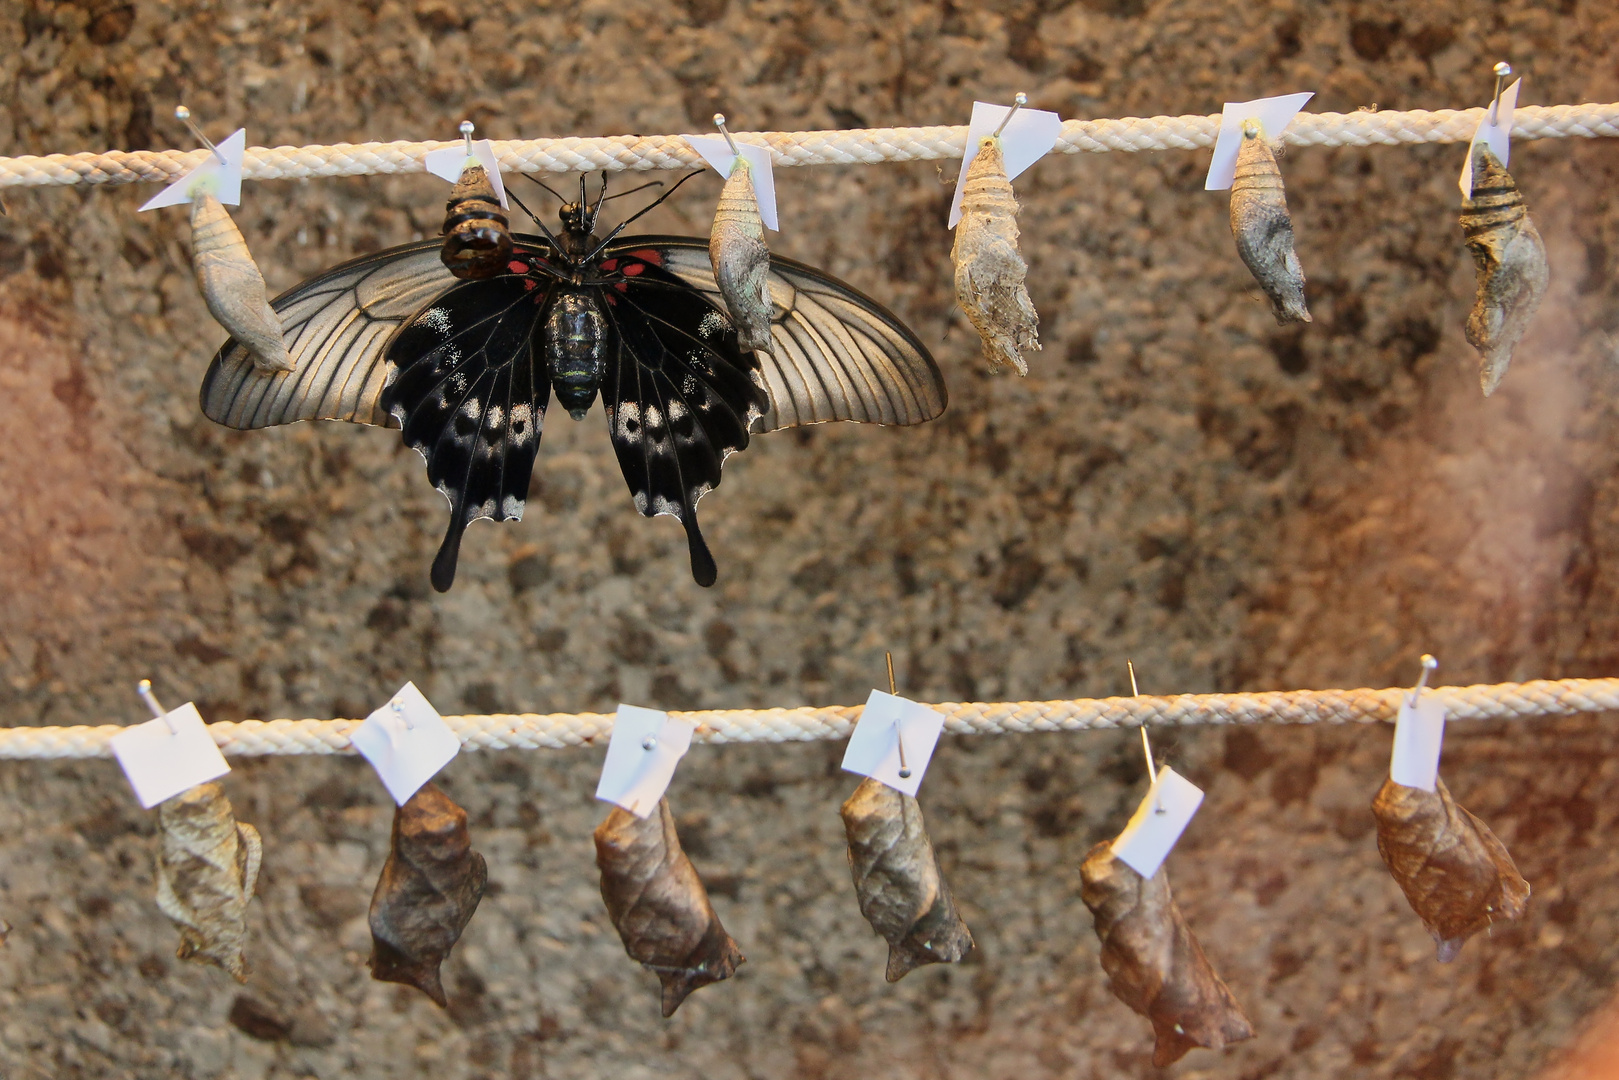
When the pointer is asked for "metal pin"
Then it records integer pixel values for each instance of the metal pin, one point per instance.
(649, 743)
(467, 129)
(183, 114)
(719, 122)
(144, 689)
(399, 710)
(1018, 102)
(1146, 746)
(904, 769)
(1503, 71)
(1428, 665)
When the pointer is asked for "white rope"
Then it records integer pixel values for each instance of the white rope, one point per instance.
(531, 731)
(637, 152)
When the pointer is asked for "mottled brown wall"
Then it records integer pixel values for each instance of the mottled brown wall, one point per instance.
(1178, 481)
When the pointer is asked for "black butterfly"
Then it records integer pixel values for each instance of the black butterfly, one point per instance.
(466, 368)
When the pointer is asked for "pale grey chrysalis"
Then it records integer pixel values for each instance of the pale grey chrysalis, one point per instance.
(990, 270)
(207, 868)
(741, 261)
(232, 286)
(1263, 229)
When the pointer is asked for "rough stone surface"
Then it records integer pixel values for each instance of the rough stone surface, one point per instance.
(1232, 505)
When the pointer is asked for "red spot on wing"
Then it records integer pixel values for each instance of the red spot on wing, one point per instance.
(517, 266)
(609, 265)
(622, 286)
(631, 269)
(647, 255)
(530, 284)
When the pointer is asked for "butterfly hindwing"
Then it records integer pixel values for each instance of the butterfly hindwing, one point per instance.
(469, 393)
(680, 392)
(838, 354)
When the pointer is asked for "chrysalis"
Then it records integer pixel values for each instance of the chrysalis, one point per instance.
(1264, 231)
(902, 892)
(1154, 963)
(659, 905)
(477, 234)
(989, 269)
(736, 248)
(232, 286)
(1511, 263)
(1457, 876)
(207, 868)
(430, 886)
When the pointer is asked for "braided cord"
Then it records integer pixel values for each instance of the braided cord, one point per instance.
(555, 731)
(616, 153)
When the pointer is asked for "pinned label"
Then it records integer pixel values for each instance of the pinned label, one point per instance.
(1273, 114)
(407, 742)
(448, 163)
(641, 757)
(1418, 733)
(1027, 137)
(875, 746)
(222, 178)
(1495, 131)
(166, 756)
(717, 152)
(1158, 823)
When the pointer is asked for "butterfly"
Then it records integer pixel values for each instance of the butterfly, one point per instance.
(465, 368)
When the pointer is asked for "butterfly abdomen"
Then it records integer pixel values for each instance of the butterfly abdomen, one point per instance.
(575, 345)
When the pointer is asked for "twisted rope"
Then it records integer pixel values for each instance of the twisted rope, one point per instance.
(616, 153)
(555, 731)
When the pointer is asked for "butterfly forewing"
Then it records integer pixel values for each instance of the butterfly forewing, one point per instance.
(839, 355)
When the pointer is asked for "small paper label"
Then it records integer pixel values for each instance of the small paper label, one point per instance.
(1418, 732)
(161, 761)
(222, 178)
(874, 746)
(407, 742)
(717, 152)
(1158, 823)
(1028, 137)
(1496, 133)
(641, 757)
(448, 163)
(1273, 114)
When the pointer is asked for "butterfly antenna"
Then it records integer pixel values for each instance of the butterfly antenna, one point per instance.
(640, 213)
(549, 235)
(547, 187)
(632, 191)
(601, 197)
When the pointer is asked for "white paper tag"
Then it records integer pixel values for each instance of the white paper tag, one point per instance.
(1029, 136)
(223, 178)
(641, 757)
(717, 152)
(874, 745)
(407, 742)
(1497, 136)
(1418, 732)
(161, 761)
(448, 163)
(1158, 823)
(1273, 114)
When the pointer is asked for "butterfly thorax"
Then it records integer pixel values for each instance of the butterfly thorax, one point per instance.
(575, 343)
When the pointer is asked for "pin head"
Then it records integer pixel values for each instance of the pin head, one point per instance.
(1428, 662)
(1021, 99)
(467, 127)
(182, 113)
(1503, 69)
(905, 774)
(649, 743)
(719, 119)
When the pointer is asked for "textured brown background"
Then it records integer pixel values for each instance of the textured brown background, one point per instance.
(1232, 505)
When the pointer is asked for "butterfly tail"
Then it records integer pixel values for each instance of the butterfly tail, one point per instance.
(443, 574)
(703, 569)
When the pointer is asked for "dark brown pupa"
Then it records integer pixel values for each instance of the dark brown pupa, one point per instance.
(902, 891)
(1263, 228)
(659, 906)
(477, 234)
(429, 888)
(1511, 262)
(1458, 877)
(741, 260)
(1154, 964)
(207, 869)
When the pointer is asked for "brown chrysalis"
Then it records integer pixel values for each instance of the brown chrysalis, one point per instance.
(1457, 876)
(1153, 962)
(430, 886)
(1511, 263)
(1263, 228)
(207, 868)
(902, 892)
(659, 906)
(741, 261)
(990, 271)
(232, 286)
(477, 235)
